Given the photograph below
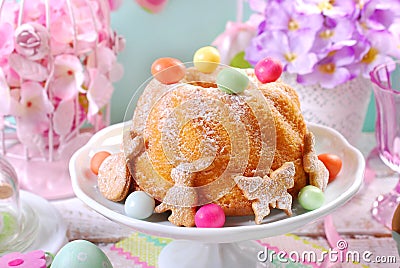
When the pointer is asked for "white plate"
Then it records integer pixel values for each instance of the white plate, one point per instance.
(236, 228)
(43, 223)
(52, 233)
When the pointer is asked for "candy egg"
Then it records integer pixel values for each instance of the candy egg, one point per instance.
(139, 205)
(152, 6)
(396, 220)
(210, 216)
(206, 59)
(232, 81)
(168, 70)
(96, 160)
(333, 163)
(81, 254)
(311, 197)
(268, 70)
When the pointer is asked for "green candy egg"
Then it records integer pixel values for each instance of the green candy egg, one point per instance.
(232, 81)
(311, 197)
(81, 254)
(8, 226)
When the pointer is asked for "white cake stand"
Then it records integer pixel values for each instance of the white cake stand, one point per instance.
(230, 246)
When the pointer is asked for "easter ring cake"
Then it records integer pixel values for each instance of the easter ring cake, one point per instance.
(194, 141)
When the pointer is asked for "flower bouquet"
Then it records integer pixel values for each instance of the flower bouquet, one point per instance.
(327, 49)
(58, 62)
(327, 42)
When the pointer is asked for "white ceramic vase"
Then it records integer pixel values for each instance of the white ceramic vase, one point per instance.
(342, 108)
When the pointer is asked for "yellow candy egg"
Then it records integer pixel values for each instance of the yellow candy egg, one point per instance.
(206, 59)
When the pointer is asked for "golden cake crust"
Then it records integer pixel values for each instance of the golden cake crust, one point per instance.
(149, 163)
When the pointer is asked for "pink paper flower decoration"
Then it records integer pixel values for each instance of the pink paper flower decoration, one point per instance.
(5, 98)
(31, 259)
(31, 102)
(58, 60)
(114, 4)
(6, 39)
(32, 41)
(68, 76)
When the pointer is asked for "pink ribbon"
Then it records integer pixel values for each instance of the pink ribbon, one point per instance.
(336, 242)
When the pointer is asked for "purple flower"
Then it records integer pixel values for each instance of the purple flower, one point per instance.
(284, 16)
(378, 14)
(334, 30)
(379, 51)
(328, 8)
(292, 50)
(395, 30)
(331, 70)
(327, 42)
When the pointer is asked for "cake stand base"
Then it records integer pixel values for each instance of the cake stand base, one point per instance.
(48, 179)
(194, 254)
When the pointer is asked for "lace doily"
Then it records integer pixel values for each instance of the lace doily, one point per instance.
(343, 108)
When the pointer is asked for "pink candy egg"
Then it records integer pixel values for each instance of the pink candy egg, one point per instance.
(268, 70)
(210, 216)
(152, 6)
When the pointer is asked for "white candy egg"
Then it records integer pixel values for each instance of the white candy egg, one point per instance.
(139, 205)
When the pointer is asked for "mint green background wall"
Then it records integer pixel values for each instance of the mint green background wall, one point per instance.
(178, 31)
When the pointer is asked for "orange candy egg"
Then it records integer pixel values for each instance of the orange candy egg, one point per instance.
(333, 163)
(96, 161)
(168, 70)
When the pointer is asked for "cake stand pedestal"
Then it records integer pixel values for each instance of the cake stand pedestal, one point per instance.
(195, 254)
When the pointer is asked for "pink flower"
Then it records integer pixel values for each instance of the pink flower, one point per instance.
(114, 4)
(105, 60)
(31, 107)
(118, 43)
(28, 260)
(6, 39)
(5, 98)
(99, 93)
(68, 76)
(31, 102)
(32, 41)
(34, 11)
(77, 36)
(9, 12)
(235, 39)
(27, 69)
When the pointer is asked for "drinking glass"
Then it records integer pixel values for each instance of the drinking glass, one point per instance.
(385, 79)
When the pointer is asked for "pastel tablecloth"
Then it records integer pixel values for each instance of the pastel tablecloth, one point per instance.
(143, 250)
